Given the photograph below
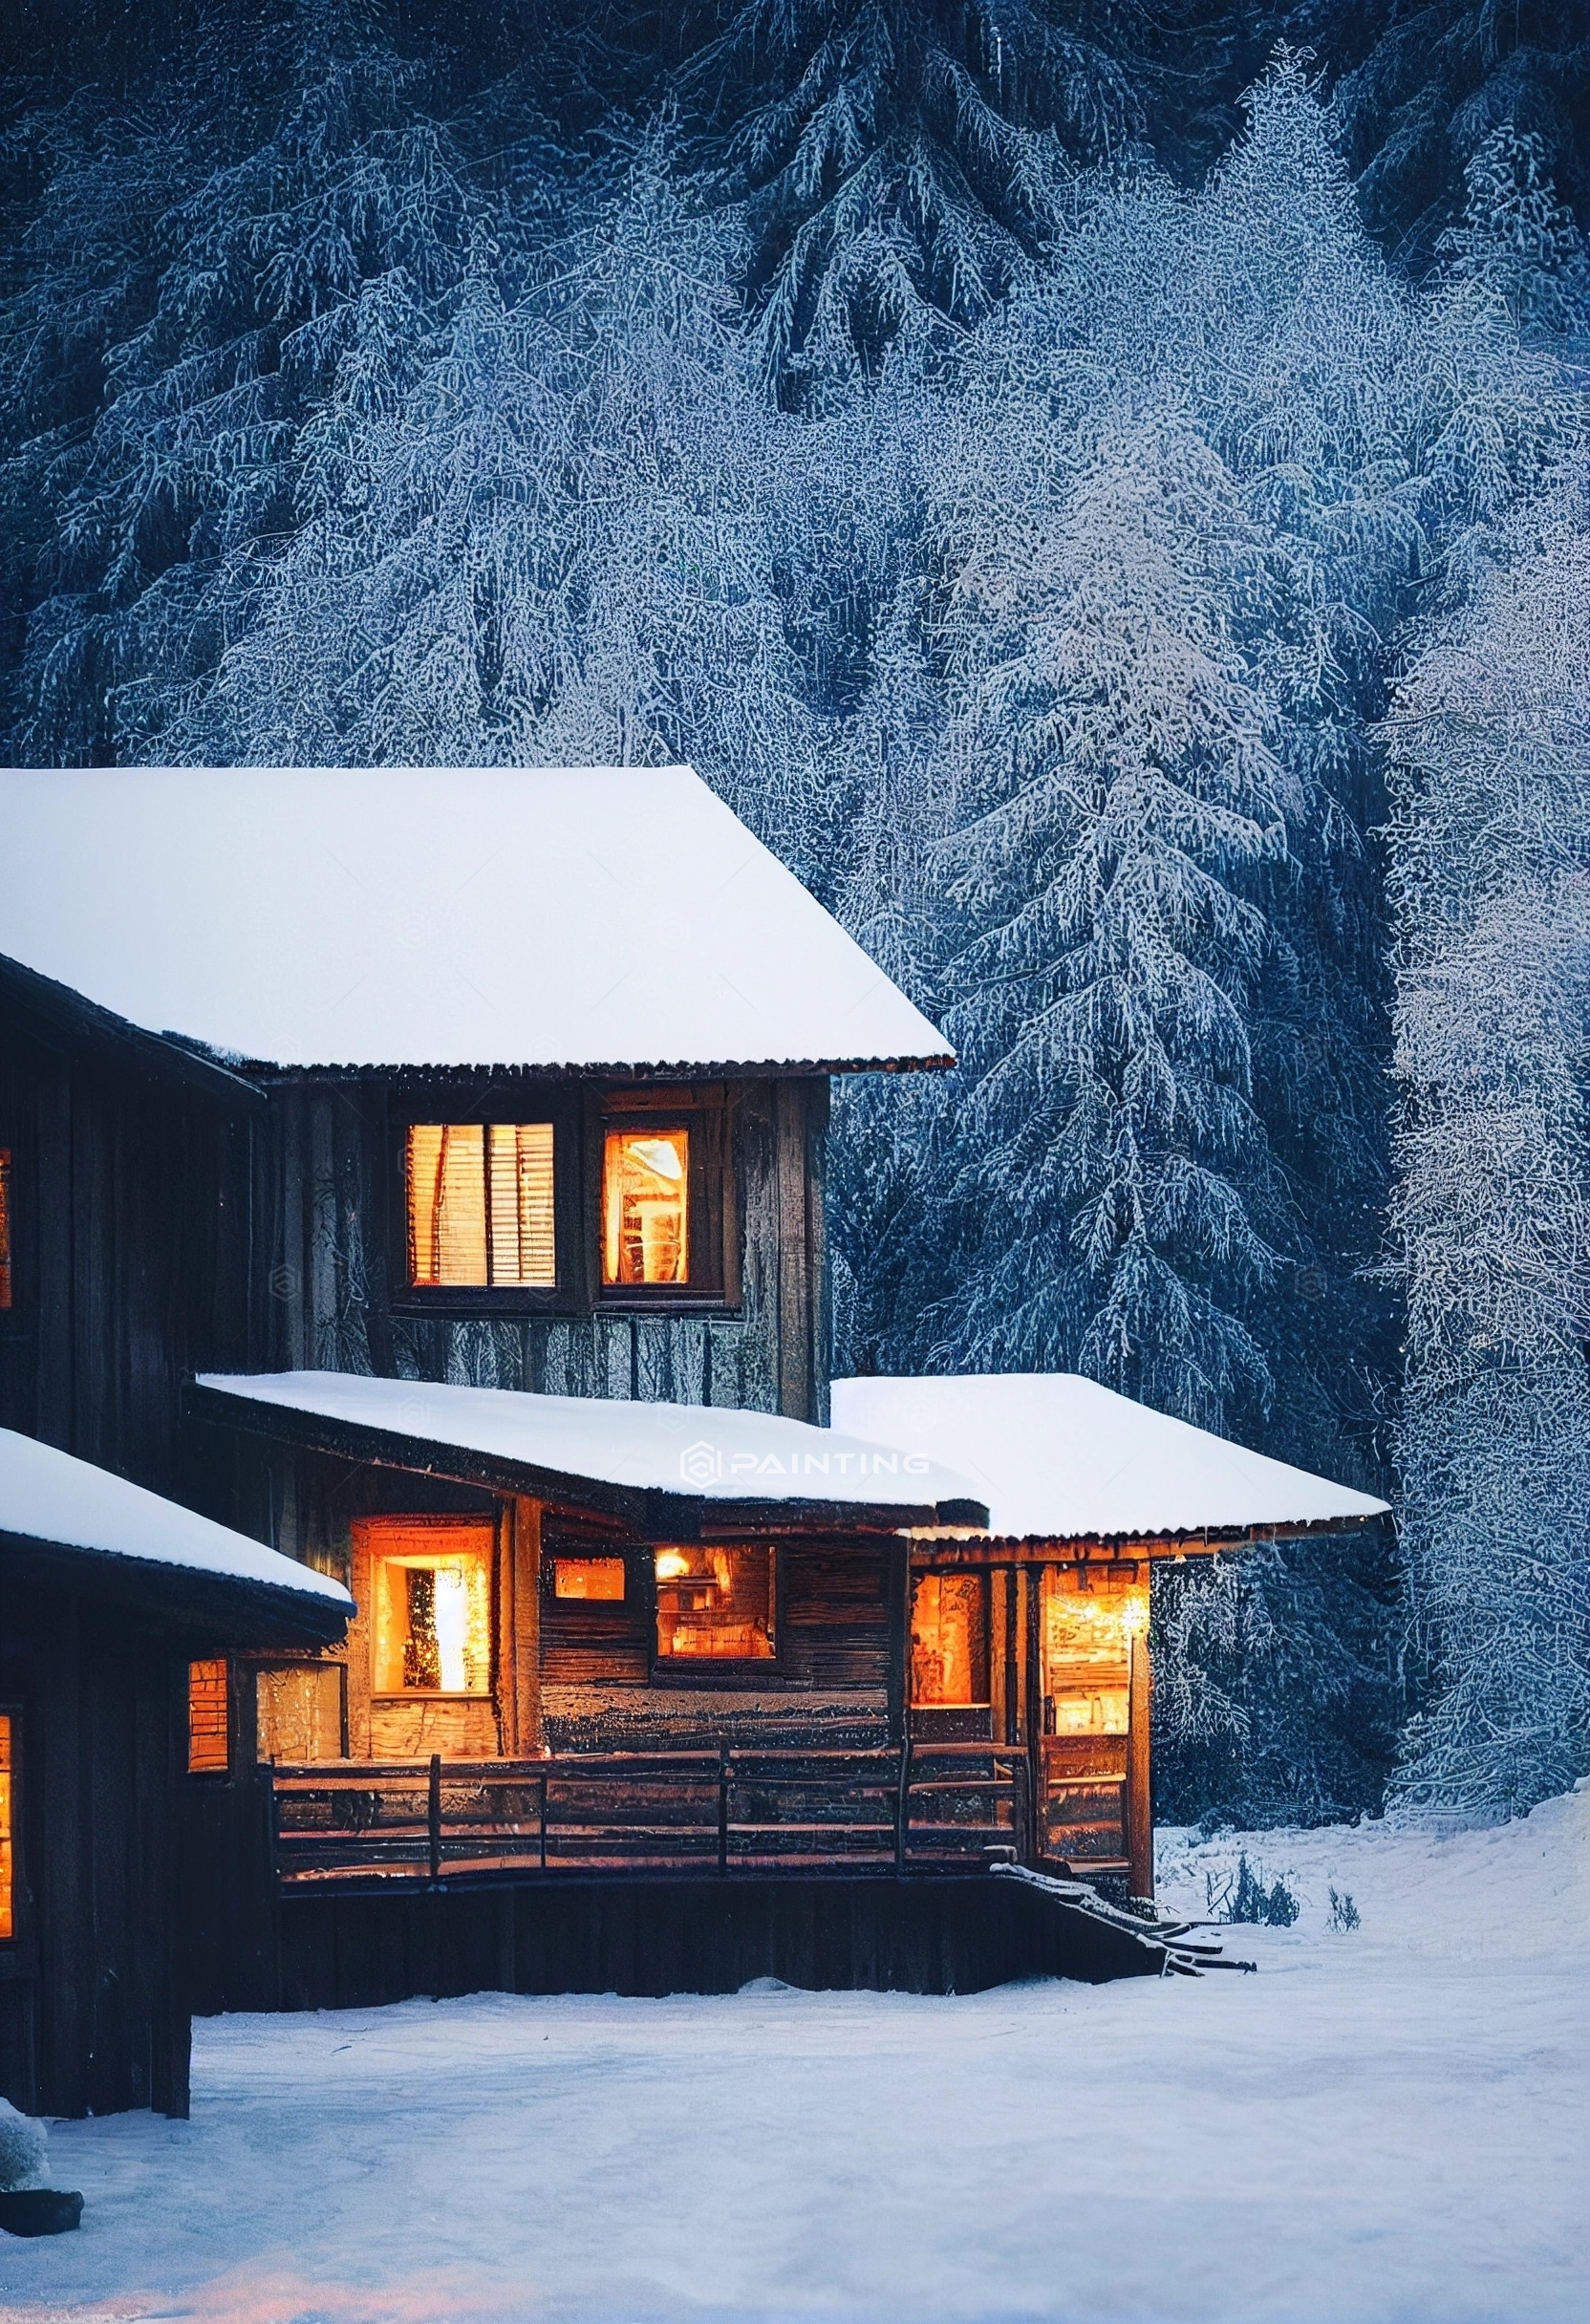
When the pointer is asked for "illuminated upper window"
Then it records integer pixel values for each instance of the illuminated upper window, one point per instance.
(432, 1622)
(646, 1207)
(714, 1605)
(479, 1197)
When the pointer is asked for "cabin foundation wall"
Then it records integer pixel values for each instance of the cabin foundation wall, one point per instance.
(656, 1937)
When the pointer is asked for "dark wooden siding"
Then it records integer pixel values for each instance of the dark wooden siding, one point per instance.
(93, 2006)
(132, 1259)
(328, 1253)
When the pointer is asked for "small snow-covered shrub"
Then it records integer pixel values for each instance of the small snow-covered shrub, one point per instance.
(1250, 1898)
(23, 2148)
(1344, 1912)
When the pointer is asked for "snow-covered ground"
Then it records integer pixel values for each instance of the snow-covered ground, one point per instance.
(1385, 2124)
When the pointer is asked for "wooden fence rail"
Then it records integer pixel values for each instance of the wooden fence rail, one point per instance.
(923, 1805)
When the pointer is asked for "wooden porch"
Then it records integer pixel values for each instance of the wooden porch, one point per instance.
(920, 1807)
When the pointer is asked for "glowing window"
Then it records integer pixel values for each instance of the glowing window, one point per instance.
(714, 1605)
(432, 1622)
(298, 1713)
(206, 1718)
(5, 1226)
(588, 1578)
(646, 1207)
(1087, 1645)
(480, 1203)
(7, 1831)
(949, 1640)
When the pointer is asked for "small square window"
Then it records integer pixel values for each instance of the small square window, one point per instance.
(480, 1204)
(433, 1622)
(588, 1578)
(715, 1605)
(646, 1207)
(206, 1718)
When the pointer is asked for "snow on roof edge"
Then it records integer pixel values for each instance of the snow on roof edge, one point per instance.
(711, 1454)
(52, 1500)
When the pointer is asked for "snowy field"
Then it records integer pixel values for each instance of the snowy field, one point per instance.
(1385, 2125)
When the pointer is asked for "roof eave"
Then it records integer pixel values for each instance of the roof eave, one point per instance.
(59, 1009)
(675, 1070)
(197, 1604)
(1119, 1548)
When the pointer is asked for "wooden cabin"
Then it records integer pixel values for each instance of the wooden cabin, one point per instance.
(118, 1610)
(1035, 1629)
(421, 1172)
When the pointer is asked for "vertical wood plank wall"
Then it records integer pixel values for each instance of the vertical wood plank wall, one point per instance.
(324, 1198)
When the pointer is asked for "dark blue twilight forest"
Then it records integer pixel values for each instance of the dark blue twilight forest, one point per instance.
(1101, 490)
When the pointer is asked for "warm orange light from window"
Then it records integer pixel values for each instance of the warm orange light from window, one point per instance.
(479, 1196)
(1087, 1639)
(206, 1718)
(646, 1207)
(714, 1605)
(949, 1640)
(5, 1226)
(433, 1622)
(588, 1578)
(298, 1713)
(8, 1832)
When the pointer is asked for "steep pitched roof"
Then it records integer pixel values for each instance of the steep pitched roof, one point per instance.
(564, 918)
(1057, 1457)
(52, 1502)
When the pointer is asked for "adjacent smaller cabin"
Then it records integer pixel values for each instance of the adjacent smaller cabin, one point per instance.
(1036, 1631)
(120, 1608)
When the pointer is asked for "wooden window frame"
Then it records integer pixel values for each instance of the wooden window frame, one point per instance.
(488, 1103)
(705, 1112)
(709, 1670)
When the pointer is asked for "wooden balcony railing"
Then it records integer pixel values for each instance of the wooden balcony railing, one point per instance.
(921, 1806)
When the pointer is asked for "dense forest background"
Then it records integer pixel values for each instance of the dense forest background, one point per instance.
(1103, 491)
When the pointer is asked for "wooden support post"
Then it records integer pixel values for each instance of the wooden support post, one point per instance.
(897, 1669)
(544, 1822)
(902, 1807)
(723, 1807)
(526, 1630)
(1140, 1825)
(1032, 1608)
(433, 1815)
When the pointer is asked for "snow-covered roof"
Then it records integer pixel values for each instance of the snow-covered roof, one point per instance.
(596, 918)
(678, 1455)
(49, 1499)
(1057, 1457)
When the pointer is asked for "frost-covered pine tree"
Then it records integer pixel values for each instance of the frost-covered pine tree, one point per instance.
(902, 159)
(1490, 741)
(333, 188)
(1118, 772)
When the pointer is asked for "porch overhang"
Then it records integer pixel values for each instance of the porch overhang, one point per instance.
(683, 1473)
(1074, 1473)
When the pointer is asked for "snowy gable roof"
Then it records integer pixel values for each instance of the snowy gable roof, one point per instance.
(596, 918)
(659, 1464)
(50, 1501)
(1057, 1457)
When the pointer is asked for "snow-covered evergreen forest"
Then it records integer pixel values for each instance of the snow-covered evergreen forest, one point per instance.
(1105, 496)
